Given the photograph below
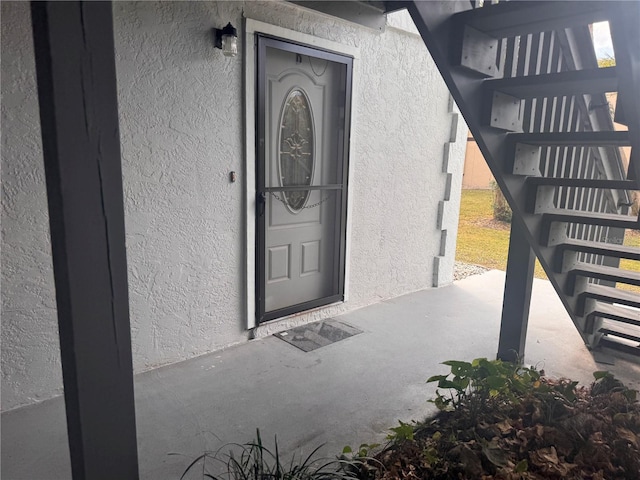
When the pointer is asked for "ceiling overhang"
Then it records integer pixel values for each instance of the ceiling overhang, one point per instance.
(371, 14)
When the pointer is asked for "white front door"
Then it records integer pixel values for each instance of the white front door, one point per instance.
(301, 188)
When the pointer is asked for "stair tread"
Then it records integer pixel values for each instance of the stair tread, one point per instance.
(619, 334)
(516, 18)
(617, 313)
(595, 80)
(611, 343)
(615, 138)
(606, 272)
(608, 249)
(592, 218)
(611, 294)
(630, 332)
(584, 182)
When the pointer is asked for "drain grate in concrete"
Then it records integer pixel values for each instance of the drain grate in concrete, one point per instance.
(318, 334)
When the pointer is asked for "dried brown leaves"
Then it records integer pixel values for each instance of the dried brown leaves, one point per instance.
(595, 436)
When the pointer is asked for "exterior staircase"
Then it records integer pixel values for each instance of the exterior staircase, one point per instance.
(526, 80)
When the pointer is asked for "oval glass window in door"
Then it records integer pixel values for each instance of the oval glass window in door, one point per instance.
(296, 159)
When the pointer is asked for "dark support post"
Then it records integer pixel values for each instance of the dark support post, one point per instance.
(517, 297)
(75, 67)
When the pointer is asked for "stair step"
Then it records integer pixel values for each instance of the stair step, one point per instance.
(595, 80)
(612, 344)
(604, 272)
(600, 248)
(542, 190)
(614, 138)
(591, 218)
(583, 182)
(507, 19)
(617, 333)
(628, 332)
(609, 294)
(627, 336)
(617, 313)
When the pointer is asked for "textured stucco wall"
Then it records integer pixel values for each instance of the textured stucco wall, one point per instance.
(181, 109)
(181, 130)
(30, 348)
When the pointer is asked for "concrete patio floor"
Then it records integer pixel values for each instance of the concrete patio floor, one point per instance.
(349, 392)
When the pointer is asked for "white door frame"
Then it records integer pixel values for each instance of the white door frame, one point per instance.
(251, 28)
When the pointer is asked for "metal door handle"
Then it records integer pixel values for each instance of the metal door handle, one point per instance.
(261, 202)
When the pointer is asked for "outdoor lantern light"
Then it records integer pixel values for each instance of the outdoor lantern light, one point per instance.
(226, 39)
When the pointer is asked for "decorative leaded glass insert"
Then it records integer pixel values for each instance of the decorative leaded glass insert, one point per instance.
(296, 148)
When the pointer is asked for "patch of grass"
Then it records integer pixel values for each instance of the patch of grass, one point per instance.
(254, 461)
(631, 239)
(481, 239)
(485, 241)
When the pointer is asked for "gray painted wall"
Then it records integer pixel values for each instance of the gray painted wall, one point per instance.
(181, 109)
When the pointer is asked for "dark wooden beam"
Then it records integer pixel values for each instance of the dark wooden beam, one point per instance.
(598, 139)
(517, 297)
(582, 182)
(75, 66)
(573, 82)
(508, 19)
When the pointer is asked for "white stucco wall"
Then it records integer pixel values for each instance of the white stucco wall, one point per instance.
(181, 109)
(30, 348)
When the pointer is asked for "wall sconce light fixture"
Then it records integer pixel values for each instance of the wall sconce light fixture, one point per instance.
(226, 39)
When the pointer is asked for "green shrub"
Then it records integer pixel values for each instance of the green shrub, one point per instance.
(474, 383)
(508, 421)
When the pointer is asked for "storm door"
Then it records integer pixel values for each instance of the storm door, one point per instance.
(302, 143)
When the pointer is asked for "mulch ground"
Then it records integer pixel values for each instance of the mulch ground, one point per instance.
(594, 436)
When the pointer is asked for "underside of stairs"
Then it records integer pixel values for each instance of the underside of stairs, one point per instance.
(526, 80)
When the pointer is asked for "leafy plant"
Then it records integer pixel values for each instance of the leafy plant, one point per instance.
(359, 463)
(254, 461)
(474, 383)
(502, 420)
(402, 432)
(362, 451)
(606, 382)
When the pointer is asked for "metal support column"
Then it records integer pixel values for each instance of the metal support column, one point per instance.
(75, 66)
(517, 297)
